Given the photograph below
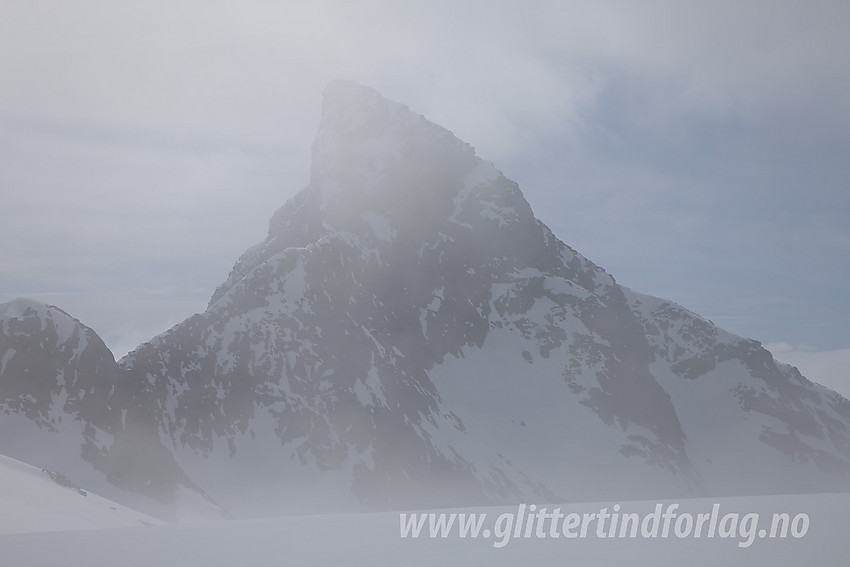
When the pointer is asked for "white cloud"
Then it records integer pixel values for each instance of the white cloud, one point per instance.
(494, 71)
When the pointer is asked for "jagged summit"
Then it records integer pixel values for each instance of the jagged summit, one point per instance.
(360, 131)
(397, 184)
(375, 156)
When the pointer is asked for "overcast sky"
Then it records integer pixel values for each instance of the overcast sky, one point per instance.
(696, 151)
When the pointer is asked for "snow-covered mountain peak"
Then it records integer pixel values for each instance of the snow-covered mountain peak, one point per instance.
(410, 335)
(359, 120)
(21, 308)
(17, 307)
(27, 316)
(385, 180)
(354, 109)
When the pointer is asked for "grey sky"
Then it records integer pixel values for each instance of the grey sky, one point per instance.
(697, 151)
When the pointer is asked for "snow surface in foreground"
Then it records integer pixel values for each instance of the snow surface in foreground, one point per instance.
(374, 540)
(32, 501)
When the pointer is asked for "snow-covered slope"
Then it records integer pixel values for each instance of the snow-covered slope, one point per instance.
(39, 500)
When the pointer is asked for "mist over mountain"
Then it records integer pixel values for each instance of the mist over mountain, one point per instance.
(67, 408)
(410, 335)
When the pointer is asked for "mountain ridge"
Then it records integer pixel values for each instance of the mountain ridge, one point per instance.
(409, 334)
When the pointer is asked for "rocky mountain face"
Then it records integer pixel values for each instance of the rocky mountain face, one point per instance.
(410, 335)
(65, 406)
